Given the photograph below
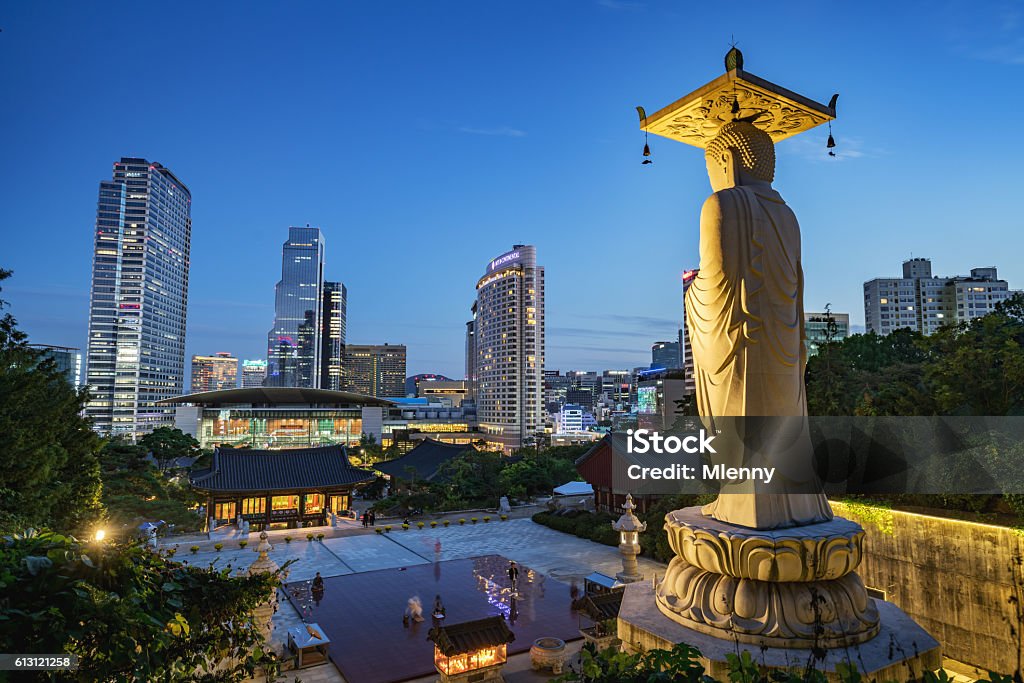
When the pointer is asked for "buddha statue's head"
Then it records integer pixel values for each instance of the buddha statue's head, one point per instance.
(741, 154)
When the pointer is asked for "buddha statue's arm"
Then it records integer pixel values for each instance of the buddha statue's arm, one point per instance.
(712, 256)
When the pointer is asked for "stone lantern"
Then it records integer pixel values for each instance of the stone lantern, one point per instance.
(629, 528)
(263, 614)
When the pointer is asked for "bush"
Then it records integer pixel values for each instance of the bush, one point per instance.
(473, 519)
(504, 518)
(462, 521)
(1016, 503)
(388, 528)
(309, 537)
(320, 537)
(242, 544)
(434, 524)
(171, 552)
(593, 527)
(486, 519)
(379, 530)
(420, 525)
(287, 539)
(405, 527)
(446, 522)
(218, 547)
(194, 549)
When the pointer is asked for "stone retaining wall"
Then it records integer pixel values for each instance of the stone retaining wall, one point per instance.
(961, 581)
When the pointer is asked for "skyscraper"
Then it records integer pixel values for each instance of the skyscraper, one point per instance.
(509, 344)
(471, 354)
(332, 336)
(375, 369)
(294, 342)
(139, 298)
(254, 373)
(684, 337)
(213, 373)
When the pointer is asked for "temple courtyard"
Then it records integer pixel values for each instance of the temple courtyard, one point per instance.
(370, 576)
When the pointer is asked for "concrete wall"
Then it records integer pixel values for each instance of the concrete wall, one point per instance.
(955, 578)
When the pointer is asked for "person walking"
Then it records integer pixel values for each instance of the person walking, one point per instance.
(513, 574)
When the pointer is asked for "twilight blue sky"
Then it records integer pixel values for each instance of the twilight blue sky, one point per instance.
(425, 138)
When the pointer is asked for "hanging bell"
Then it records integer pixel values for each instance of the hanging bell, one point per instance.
(831, 141)
(647, 150)
(735, 106)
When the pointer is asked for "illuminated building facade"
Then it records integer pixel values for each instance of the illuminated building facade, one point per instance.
(138, 298)
(817, 332)
(509, 346)
(666, 355)
(68, 361)
(254, 373)
(332, 341)
(278, 417)
(375, 369)
(212, 373)
(684, 337)
(293, 344)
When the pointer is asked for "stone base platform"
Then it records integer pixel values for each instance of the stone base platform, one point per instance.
(900, 651)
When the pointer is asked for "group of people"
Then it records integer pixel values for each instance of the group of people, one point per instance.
(369, 518)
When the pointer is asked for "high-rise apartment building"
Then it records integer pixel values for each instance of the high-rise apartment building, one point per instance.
(67, 359)
(139, 298)
(254, 373)
(332, 340)
(293, 344)
(375, 369)
(213, 373)
(509, 341)
(689, 374)
(923, 302)
(822, 327)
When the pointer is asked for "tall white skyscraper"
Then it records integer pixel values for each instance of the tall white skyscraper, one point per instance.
(508, 340)
(139, 298)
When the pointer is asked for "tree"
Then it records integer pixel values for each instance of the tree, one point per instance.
(978, 366)
(49, 472)
(129, 613)
(168, 444)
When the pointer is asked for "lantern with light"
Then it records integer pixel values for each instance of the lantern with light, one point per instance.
(629, 528)
(472, 650)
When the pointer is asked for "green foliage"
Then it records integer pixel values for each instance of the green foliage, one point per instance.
(973, 368)
(166, 444)
(135, 490)
(128, 613)
(873, 513)
(49, 472)
(681, 664)
(595, 527)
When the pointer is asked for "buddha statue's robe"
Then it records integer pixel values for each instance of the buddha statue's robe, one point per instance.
(745, 318)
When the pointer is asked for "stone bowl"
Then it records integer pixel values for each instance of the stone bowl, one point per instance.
(548, 653)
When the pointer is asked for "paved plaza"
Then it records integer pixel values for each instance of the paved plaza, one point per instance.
(355, 550)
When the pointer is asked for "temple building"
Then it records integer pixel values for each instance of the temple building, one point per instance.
(278, 489)
(278, 417)
(424, 462)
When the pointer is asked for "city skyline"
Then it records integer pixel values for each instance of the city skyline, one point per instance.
(500, 165)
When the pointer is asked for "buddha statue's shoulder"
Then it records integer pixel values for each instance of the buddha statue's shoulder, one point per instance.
(725, 201)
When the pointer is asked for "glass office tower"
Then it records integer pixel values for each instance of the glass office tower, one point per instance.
(139, 298)
(294, 342)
